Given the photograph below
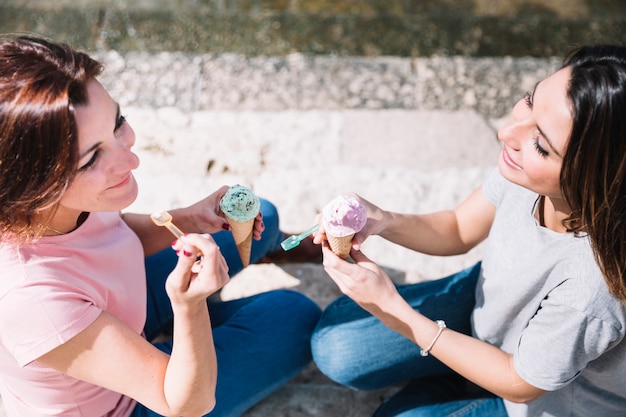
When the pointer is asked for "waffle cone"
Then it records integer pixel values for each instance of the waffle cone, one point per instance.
(341, 245)
(242, 233)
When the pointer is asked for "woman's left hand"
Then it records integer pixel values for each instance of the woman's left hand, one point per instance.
(208, 217)
(205, 216)
(363, 281)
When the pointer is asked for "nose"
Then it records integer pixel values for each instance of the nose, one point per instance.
(128, 136)
(512, 132)
(506, 134)
(125, 159)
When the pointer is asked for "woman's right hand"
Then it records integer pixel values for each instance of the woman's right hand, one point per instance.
(376, 221)
(362, 280)
(201, 269)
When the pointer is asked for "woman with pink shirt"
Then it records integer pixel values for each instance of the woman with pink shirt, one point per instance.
(79, 301)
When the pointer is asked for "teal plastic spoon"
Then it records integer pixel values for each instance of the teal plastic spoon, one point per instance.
(294, 240)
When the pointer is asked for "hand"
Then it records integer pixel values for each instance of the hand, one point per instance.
(200, 271)
(209, 218)
(363, 281)
(259, 227)
(204, 215)
(374, 225)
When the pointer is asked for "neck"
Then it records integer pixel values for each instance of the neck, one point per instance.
(552, 211)
(61, 226)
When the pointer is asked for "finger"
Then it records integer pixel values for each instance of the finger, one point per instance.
(212, 261)
(320, 235)
(211, 249)
(339, 270)
(222, 190)
(181, 275)
(358, 256)
(202, 244)
(362, 260)
(259, 227)
(332, 261)
(356, 241)
(222, 264)
(219, 193)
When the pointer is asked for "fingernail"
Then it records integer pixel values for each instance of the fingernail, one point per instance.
(187, 253)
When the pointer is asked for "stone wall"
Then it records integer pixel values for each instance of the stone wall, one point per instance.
(347, 28)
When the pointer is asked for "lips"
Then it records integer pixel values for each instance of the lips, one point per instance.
(509, 161)
(122, 183)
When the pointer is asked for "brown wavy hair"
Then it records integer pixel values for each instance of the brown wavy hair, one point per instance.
(40, 83)
(593, 174)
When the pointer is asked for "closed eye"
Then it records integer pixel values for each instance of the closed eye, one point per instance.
(119, 122)
(540, 150)
(528, 99)
(91, 161)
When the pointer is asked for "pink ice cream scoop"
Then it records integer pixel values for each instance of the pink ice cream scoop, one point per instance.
(343, 216)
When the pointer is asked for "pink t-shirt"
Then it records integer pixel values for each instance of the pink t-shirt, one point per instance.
(52, 290)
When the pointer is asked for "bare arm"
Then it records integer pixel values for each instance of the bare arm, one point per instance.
(202, 217)
(180, 384)
(478, 361)
(448, 232)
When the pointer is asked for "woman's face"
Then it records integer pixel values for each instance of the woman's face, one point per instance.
(104, 181)
(534, 143)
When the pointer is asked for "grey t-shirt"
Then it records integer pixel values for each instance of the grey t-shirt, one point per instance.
(542, 298)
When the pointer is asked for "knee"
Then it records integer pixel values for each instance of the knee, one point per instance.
(297, 310)
(335, 355)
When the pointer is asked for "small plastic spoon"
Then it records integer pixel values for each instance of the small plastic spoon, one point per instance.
(163, 218)
(294, 240)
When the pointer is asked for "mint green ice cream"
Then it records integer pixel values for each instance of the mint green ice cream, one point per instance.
(240, 204)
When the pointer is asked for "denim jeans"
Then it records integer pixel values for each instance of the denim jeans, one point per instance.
(261, 341)
(355, 349)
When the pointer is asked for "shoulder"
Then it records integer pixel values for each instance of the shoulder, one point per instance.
(576, 323)
(584, 289)
(496, 188)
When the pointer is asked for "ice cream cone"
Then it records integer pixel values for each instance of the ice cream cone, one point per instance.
(242, 233)
(342, 218)
(241, 206)
(341, 245)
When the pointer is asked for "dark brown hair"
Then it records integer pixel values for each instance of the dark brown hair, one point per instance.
(593, 174)
(40, 83)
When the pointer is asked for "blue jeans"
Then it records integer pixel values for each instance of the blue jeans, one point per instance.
(261, 341)
(355, 349)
